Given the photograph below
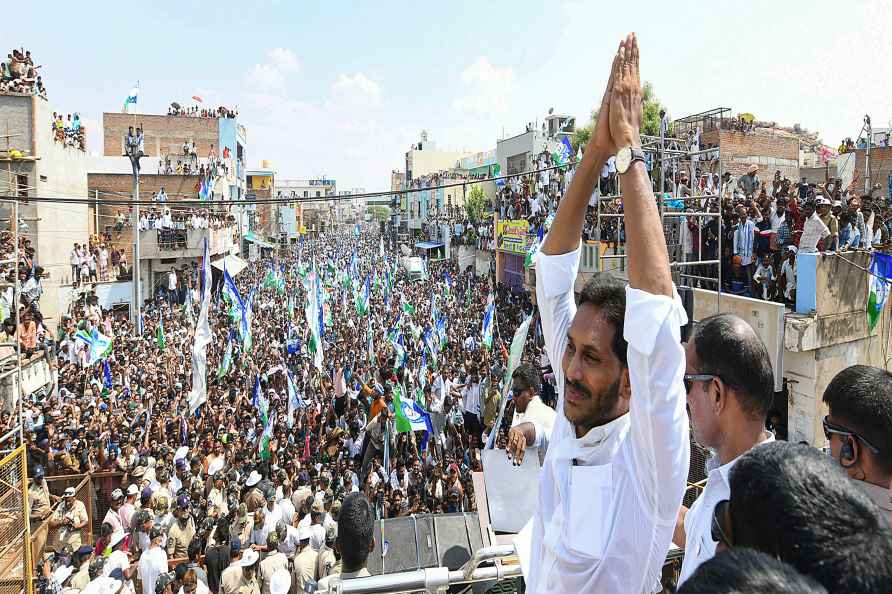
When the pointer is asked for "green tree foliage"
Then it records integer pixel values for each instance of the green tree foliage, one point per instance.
(379, 212)
(475, 203)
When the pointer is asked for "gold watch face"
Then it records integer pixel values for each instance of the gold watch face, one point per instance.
(623, 159)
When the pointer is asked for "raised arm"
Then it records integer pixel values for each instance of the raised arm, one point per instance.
(658, 431)
(645, 244)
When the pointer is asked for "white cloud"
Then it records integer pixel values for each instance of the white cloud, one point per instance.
(344, 133)
(357, 90)
(273, 74)
(487, 88)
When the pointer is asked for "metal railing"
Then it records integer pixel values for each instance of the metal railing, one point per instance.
(435, 579)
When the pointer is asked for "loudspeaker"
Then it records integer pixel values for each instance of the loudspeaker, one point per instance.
(416, 542)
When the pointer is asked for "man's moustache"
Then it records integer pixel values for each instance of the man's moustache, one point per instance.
(579, 388)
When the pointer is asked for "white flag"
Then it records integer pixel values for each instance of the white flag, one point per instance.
(198, 394)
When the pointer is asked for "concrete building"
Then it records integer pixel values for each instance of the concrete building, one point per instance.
(219, 146)
(261, 184)
(424, 158)
(315, 211)
(47, 169)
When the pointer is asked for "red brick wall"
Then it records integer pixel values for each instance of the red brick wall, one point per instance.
(880, 168)
(163, 134)
(770, 152)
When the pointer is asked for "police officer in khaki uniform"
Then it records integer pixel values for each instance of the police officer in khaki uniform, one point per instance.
(39, 503)
(81, 577)
(182, 531)
(69, 519)
(249, 565)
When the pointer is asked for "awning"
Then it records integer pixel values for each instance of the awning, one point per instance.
(250, 236)
(428, 245)
(234, 264)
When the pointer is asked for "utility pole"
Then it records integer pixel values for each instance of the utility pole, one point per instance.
(133, 148)
(867, 128)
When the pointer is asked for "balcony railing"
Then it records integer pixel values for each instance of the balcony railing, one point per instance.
(184, 243)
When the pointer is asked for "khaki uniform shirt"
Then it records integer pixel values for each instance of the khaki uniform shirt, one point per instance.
(231, 579)
(178, 539)
(80, 579)
(268, 567)
(77, 513)
(325, 563)
(304, 567)
(39, 500)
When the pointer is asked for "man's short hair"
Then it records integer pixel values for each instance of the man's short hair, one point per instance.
(747, 570)
(528, 377)
(860, 397)
(795, 503)
(355, 529)
(739, 358)
(608, 294)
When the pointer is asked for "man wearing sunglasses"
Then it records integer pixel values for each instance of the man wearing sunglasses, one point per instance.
(618, 454)
(859, 429)
(730, 386)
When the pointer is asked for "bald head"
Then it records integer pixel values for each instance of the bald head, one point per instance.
(726, 346)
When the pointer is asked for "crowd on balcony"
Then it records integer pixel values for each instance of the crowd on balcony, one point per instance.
(201, 112)
(69, 131)
(183, 218)
(188, 163)
(18, 74)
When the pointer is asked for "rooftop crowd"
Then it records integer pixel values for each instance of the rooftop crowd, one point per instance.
(18, 74)
(201, 112)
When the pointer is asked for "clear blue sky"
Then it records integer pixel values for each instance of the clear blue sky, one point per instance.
(343, 88)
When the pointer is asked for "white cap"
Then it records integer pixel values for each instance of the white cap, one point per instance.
(280, 582)
(115, 538)
(216, 466)
(249, 558)
(181, 453)
(253, 478)
(69, 492)
(132, 489)
(62, 573)
(304, 533)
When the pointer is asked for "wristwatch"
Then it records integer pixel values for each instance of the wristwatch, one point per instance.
(626, 156)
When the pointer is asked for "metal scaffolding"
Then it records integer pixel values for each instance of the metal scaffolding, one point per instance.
(667, 156)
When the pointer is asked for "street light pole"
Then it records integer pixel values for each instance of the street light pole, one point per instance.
(133, 145)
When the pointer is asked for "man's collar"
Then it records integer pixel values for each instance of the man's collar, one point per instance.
(597, 435)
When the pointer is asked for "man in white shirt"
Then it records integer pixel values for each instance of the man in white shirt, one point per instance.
(153, 562)
(528, 407)
(813, 230)
(471, 407)
(730, 386)
(617, 462)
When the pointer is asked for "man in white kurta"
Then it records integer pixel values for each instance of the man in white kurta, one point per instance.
(609, 495)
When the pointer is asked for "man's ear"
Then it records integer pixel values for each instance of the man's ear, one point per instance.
(371, 545)
(625, 385)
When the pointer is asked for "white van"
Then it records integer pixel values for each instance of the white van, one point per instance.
(414, 268)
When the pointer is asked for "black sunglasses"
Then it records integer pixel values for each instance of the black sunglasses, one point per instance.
(717, 530)
(830, 429)
(690, 378)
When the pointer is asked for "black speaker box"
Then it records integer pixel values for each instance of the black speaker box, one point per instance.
(416, 542)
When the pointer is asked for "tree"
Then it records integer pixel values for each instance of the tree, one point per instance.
(475, 203)
(650, 125)
(651, 109)
(379, 212)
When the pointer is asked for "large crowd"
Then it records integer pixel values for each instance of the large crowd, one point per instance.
(202, 481)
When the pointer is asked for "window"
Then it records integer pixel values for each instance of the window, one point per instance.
(21, 182)
(318, 194)
(306, 194)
